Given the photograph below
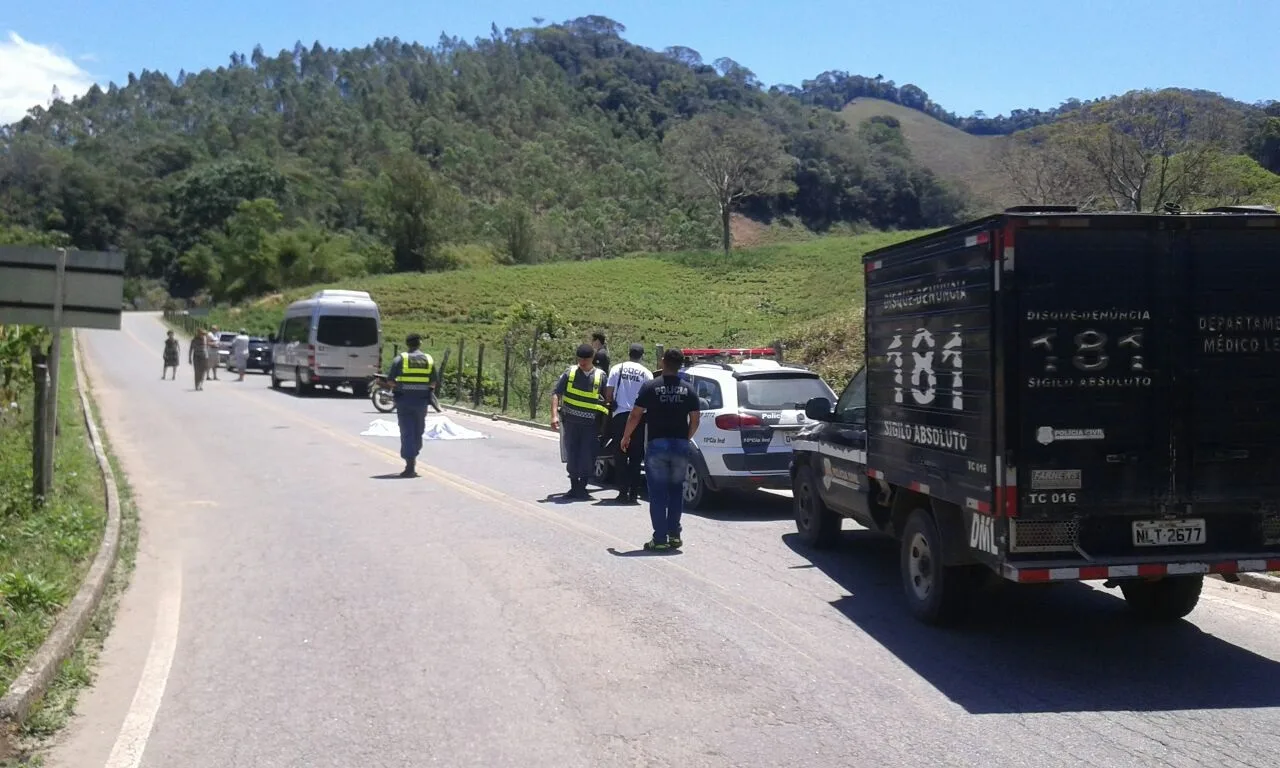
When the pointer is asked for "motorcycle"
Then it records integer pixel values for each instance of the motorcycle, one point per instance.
(381, 392)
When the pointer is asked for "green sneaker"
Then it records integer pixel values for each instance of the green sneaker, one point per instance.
(656, 546)
(674, 542)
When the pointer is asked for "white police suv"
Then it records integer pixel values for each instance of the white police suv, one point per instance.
(751, 408)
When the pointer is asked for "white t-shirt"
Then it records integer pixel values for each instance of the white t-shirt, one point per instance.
(626, 380)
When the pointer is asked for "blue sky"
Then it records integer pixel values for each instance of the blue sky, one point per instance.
(980, 55)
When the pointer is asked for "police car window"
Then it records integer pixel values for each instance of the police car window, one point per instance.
(853, 396)
(781, 392)
(708, 392)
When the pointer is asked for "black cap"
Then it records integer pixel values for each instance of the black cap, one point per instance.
(585, 352)
(673, 357)
(413, 340)
(636, 351)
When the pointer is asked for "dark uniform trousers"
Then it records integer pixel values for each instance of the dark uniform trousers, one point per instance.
(411, 413)
(581, 442)
(628, 464)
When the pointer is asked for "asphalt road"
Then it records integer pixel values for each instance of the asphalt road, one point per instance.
(293, 606)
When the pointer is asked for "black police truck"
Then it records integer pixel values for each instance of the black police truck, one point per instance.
(1057, 395)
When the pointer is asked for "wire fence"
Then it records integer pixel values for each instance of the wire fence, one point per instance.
(509, 377)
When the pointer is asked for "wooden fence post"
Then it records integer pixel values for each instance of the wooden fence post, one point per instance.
(506, 372)
(478, 391)
(533, 378)
(777, 351)
(444, 366)
(39, 434)
(457, 394)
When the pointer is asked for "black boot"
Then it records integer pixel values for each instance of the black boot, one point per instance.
(583, 493)
(574, 490)
(410, 469)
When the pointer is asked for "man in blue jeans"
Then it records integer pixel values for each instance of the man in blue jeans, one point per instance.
(670, 409)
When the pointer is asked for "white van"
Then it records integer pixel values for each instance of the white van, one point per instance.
(333, 339)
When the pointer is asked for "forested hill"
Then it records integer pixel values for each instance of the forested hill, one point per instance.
(540, 144)
(535, 144)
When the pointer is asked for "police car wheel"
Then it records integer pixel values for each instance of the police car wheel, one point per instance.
(936, 594)
(817, 525)
(696, 494)
(602, 470)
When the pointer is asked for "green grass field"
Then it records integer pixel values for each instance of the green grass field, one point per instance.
(752, 296)
(806, 294)
(44, 551)
(947, 151)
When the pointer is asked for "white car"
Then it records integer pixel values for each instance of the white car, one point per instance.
(751, 410)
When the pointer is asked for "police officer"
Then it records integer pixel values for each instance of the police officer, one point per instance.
(412, 374)
(578, 408)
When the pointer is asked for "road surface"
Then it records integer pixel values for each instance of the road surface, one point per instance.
(294, 606)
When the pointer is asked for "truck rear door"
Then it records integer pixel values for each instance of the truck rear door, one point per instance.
(1146, 361)
(1096, 383)
(1232, 404)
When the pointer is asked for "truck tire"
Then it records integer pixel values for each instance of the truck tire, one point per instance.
(1168, 599)
(817, 525)
(936, 594)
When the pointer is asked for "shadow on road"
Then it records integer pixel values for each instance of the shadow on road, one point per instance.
(644, 552)
(746, 506)
(320, 393)
(1045, 648)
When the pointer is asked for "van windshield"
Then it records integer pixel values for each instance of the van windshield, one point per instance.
(347, 331)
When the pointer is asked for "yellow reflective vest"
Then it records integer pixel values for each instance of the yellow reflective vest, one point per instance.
(415, 370)
(585, 399)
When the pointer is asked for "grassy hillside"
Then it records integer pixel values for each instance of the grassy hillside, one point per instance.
(946, 150)
(751, 297)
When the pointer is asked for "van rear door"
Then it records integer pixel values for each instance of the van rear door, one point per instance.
(347, 340)
(1232, 405)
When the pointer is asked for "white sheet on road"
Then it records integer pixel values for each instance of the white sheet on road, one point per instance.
(438, 428)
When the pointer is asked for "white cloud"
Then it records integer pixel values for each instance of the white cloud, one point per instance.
(28, 74)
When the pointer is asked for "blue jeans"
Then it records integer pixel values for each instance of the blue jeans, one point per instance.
(411, 413)
(665, 462)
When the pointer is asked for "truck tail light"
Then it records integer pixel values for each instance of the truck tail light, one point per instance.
(731, 422)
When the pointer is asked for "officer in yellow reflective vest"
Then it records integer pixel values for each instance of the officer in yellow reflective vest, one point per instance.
(578, 409)
(412, 373)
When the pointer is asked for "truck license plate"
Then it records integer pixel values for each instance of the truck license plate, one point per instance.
(1167, 533)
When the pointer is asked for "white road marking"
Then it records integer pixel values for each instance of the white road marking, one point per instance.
(1241, 606)
(132, 741)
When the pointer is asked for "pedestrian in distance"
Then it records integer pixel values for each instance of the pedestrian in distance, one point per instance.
(621, 390)
(211, 342)
(411, 376)
(240, 352)
(172, 351)
(577, 408)
(669, 407)
(601, 349)
(198, 356)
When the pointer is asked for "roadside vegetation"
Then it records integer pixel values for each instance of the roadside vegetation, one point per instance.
(46, 549)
